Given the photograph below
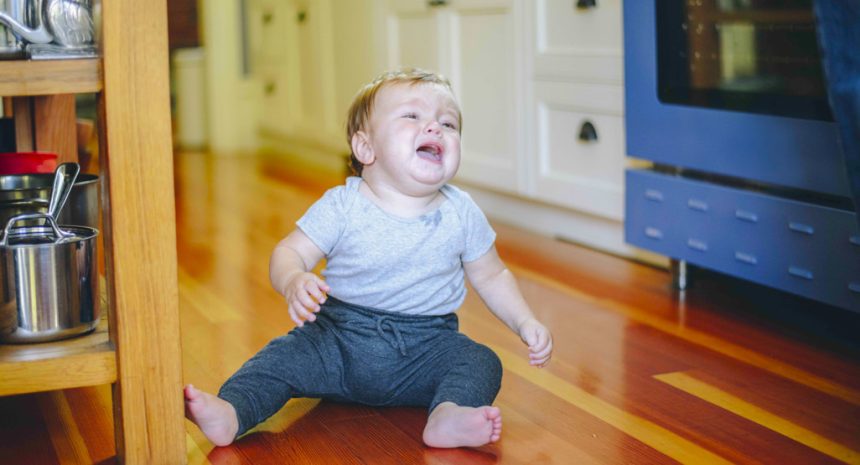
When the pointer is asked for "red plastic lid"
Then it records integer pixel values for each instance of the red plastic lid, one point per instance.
(27, 162)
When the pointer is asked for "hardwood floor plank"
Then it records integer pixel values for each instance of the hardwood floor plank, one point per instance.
(827, 416)
(217, 311)
(712, 309)
(661, 439)
(373, 440)
(642, 357)
(778, 367)
(584, 433)
(742, 408)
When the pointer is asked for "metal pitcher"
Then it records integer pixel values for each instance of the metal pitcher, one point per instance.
(64, 24)
(23, 21)
(20, 17)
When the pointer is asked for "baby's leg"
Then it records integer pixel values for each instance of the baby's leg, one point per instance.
(463, 415)
(214, 416)
(299, 364)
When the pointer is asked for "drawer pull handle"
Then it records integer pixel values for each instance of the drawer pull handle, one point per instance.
(654, 195)
(583, 4)
(587, 132)
(855, 239)
(746, 258)
(696, 244)
(800, 272)
(746, 216)
(435, 3)
(697, 205)
(801, 228)
(270, 88)
(653, 233)
(854, 287)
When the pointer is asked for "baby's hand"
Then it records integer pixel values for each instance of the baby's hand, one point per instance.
(304, 294)
(539, 340)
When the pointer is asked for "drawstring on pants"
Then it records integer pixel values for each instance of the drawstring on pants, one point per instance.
(395, 342)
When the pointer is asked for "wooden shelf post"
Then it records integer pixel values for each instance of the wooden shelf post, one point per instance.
(140, 232)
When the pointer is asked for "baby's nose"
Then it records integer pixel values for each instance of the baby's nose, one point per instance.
(433, 126)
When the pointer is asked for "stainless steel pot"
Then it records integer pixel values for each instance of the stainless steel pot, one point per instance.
(29, 193)
(50, 281)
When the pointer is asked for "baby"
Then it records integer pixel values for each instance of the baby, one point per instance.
(398, 240)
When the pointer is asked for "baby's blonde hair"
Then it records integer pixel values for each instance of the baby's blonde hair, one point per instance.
(362, 105)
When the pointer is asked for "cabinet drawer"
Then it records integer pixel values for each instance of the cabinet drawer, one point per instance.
(805, 249)
(580, 43)
(571, 169)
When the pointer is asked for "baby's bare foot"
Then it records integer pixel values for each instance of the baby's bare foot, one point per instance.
(450, 425)
(213, 415)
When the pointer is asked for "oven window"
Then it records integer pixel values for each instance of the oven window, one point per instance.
(758, 56)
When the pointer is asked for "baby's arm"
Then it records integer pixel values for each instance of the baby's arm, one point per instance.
(500, 292)
(290, 273)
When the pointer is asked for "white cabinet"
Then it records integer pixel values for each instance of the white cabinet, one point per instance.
(290, 54)
(576, 150)
(529, 75)
(474, 43)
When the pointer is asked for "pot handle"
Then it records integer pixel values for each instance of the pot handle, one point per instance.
(60, 234)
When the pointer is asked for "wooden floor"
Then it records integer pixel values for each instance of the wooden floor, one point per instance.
(726, 373)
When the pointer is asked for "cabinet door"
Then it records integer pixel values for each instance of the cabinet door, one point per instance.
(473, 43)
(310, 79)
(483, 60)
(413, 34)
(266, 31)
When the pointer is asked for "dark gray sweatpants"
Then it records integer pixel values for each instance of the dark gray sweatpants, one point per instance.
(368, 356)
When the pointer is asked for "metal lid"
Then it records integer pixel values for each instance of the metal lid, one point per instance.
(48, 234)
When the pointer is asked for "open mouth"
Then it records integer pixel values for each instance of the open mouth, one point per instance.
(430, 151)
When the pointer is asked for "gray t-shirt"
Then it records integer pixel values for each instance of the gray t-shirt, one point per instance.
(407, 265)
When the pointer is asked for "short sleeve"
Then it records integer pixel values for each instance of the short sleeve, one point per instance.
(480, 236)
(324, 221)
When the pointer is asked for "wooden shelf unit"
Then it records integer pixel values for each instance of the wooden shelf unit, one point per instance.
(136, 347)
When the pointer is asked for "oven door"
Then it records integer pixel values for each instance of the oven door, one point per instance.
(730, 96)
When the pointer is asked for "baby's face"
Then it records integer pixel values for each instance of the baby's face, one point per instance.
(415, 136)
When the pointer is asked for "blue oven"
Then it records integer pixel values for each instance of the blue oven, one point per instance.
(727, 99)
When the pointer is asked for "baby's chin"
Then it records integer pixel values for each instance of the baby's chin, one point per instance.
(432, 180)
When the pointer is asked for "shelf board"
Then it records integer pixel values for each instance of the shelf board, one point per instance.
(81, 361)
(44, 77)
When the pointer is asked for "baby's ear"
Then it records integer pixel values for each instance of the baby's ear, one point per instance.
(362, 149)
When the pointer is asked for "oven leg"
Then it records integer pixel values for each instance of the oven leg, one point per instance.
(681, 274)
